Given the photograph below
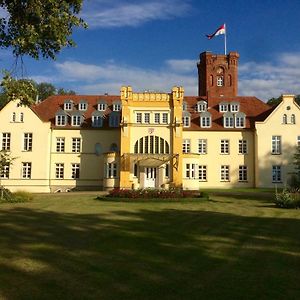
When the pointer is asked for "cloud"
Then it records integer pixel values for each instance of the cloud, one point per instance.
(109, 77)
(182, 65)
(271, 79)
(104, 14)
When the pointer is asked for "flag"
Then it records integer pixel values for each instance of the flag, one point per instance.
(220, 30)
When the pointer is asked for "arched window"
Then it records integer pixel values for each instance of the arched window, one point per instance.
(293, 119)
(151, 144)
(220, 81)
(114, 147)
(186, 119)
(228, 120)
(201, 106)
(211, 80)
(240, 120)
(284, 119)
(205, 119)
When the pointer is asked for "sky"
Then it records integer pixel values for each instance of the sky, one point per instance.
(155, 45)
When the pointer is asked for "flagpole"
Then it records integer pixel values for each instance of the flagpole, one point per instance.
(225, 42)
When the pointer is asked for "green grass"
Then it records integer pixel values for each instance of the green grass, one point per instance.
(234, 246)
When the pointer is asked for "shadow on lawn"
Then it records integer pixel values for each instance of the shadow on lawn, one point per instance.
(143, 254)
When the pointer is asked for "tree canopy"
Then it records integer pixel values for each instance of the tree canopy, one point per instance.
(39, 28)
(275, 101)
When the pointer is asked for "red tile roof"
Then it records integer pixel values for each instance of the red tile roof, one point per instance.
(254, 109)
(47, 109)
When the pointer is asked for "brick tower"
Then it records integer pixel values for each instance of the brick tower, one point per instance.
(218, 75)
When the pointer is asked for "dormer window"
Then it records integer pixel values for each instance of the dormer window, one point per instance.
(205, 119)
(240, 120)
(76, 119)
(184, 106)
(101, 106)
(234, 107)
(61, 118)
(223, 107)
(114, 119)
(228, 120)
(68, 105)
(201, 106)
(117, 106)
(186, 119)
(97, 119)
(82, 105)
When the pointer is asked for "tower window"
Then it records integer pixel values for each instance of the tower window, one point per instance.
(220, 81)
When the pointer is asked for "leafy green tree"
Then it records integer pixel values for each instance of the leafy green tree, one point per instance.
(62, 91)
(45, 89)
(39, 28)
(275, 101)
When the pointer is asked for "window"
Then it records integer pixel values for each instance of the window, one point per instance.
(184, 106)
(298, 141)
(190, 171)
(243, 147)
(186, 146)
(97, 121)
(293, 119)
(61, 120)
(284, 119)
(157, 144)
(101, 106)
(202, 146)
(114, 120)
(223, 107)
(139, 117)
(111, 170)
(157, 118)
(201, 106)
(27, 142)
(243, 173)
(6, 141)
(276, 174)
(76, 143)
(186, 121)
(224, 173)
(13, 117)
(240, 120)
(228, 120)
(147, 118)
(75, 171)
(83, 105)
(165, 118)
(117, 106)
(202, 173)
(113, 147)
(220, 81)
(5, 172)
(26, 170)
(167, 170)
(59, 171)
(205, 119)
(21, 117)
(135, 170)
(60, 144)
(76, 120)
(234, 107)
(68, 105)
(276, 144)
(224, 147)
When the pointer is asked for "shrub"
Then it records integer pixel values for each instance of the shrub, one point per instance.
(22, 196)
(8, 197)
(287, 199)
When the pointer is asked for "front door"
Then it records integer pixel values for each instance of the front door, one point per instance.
(150, 177)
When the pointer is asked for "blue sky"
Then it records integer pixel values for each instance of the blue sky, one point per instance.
(155, 44)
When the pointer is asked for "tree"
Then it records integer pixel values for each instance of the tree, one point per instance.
(39, 28)
(62, 91)
(45, 89)
(275, 101)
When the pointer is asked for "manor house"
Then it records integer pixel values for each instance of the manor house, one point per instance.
(152, 140)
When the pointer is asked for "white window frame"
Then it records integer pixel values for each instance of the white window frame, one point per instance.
(157, 118)
(27, 141)
(5, 171)
(76, 144)
(111, 170)
(101, 107)
(75, 171)
(190, 171)
(76, 120)
(59, 170)
(147, 118)
(276, 145)
(223, 107)
(186, 146)
(61, 120)
(205, 122)
(243, 147)
(202, 172)
(202, 146)
(139, 118)
(117, 107)
(186, 121)
(240, 121)
(228, 121)
(26, 170)
(165, 118)
(243, 173)
(60, 144)
(225, 173)
(224, 146)
(82, 106)
(234, 107)
(6, 141)
(220, 80)
(68, 106)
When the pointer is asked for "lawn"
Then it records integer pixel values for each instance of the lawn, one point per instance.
(234, 246)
